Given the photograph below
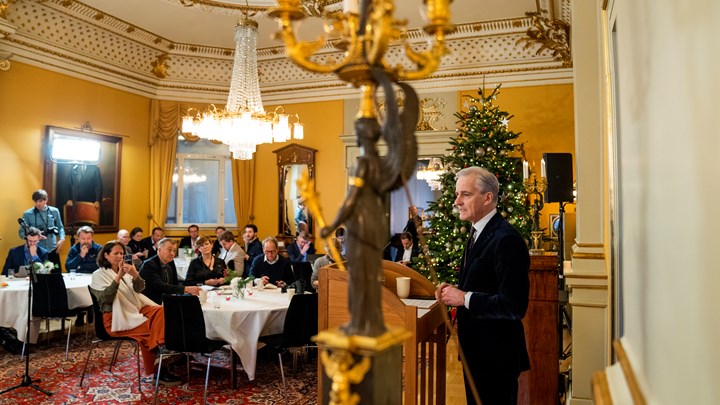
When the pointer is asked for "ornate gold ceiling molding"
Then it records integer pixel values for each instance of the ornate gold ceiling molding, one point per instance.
(78, 40)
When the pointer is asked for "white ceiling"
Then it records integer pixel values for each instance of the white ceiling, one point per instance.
(211, 22)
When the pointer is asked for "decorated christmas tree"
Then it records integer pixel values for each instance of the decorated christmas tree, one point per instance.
(483, 140)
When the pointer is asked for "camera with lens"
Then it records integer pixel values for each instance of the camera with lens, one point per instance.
(53, 230)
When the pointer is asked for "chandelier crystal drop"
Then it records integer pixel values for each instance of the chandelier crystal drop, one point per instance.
(431, 174)
(243, 124)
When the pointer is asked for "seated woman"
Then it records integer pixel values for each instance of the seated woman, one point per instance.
(325, 260)
(136, 235)
(126, 312)
(206, 268)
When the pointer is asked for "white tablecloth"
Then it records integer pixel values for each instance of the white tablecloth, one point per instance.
(241, 322)
(14, 301)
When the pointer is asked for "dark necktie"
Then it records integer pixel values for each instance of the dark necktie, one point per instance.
(470, 244)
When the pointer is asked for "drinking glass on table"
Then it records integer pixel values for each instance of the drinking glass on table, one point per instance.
(11, 274)
(216, 299)
(73, 273)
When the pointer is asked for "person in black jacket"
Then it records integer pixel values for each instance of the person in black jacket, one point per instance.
(21, 255)
(160, 274)
(149, 244)
(207, 268)
(492, 295)
(298, 251)
(253, 247)
(408, 251)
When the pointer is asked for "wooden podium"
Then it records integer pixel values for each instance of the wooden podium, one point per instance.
(539, 385)
(424, 353)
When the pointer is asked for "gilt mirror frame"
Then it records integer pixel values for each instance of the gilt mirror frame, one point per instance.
(289, 158)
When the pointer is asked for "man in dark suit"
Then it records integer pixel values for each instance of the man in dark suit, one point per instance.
(150, 243)
(408, 251)
(217, 247)
(253, 247)
(413, 223)
(190, 241)
(298, 251)
(160, 274)
(492, 295)
(21, 255)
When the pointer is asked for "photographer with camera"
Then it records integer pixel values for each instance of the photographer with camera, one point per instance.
(46, 219)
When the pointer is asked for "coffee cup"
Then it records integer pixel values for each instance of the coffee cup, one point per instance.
(403, 286)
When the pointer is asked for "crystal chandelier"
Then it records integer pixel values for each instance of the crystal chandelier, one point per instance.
(431, 173)
(243, 124)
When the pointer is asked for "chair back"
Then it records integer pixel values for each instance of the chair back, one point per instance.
(100, 331)
(301, 320)
(184, 324)
(50, 297)
(302, 271)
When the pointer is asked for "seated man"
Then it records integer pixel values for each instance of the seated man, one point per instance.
(271, 267)
(408, 251)
(150, 243)
(83, 258)
(253, 247)
(325, 260)
(191, 240)
(23, 254)
(160, 274)
(232, 253)
(298, 251)
(217, 247)
(83, 255)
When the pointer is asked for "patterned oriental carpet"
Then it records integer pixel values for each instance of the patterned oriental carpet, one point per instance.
(120, 387)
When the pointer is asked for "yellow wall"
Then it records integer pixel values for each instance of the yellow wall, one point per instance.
(32, 98)
(323, 123)
(544, 116)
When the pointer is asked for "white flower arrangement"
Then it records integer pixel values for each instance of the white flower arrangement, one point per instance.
(44, 268)
(237, 285)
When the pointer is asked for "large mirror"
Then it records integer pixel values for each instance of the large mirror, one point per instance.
(293, 160)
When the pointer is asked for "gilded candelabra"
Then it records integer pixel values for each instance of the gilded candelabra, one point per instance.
(364, 30)
(536, 186)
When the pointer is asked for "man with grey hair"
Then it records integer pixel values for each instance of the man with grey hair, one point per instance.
(492, 294)
(160, 274)
(83, 255)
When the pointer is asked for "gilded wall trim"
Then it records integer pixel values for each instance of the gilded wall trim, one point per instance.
(589, 256)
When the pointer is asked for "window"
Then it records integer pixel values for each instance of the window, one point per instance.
(202, 191)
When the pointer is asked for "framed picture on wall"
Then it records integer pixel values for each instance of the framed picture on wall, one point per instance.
(553, 225)
(82, 178)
